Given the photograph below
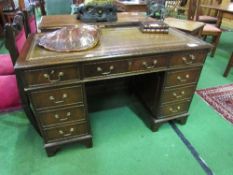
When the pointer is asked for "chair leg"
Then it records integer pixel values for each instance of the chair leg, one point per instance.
(204, 37)
(229, 65)
(215, 43)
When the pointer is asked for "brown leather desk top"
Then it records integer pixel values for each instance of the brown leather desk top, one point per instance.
(114, 42)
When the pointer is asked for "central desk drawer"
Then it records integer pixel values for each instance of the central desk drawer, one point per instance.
(105, 68)
(65, 132)
(148, 63)
(182, 77)
(51, 75)
(57, 97)
(59, 116)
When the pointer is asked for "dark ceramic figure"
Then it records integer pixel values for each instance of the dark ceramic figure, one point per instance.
(156, 9)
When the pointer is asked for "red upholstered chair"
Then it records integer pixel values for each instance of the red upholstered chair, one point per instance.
(6, 65)
(15, 38)
(10, 98)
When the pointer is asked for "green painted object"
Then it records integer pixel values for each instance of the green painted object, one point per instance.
(57, 7)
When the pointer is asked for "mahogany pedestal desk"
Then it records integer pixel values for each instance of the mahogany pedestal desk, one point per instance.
(163, 70)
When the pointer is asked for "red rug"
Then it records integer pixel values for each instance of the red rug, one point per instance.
(220, 98)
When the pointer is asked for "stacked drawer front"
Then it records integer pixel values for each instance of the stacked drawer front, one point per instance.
(180, 84)
(59, 108)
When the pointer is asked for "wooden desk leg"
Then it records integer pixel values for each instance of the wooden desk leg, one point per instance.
(229, 65)
(88, 143)
(155, 127)
(219, 21)
(53, 148)
(51, 151)
(182, 120)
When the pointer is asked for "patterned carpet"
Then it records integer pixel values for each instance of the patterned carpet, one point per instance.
(221, 99)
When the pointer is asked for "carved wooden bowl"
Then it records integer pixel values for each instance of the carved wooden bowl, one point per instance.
(68, 39)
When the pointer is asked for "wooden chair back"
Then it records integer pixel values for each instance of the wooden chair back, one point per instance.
(207, 14)
(30, 20)
(172, 7)
(40, 4)
(15, 36)
(192, 9)
(9, 5)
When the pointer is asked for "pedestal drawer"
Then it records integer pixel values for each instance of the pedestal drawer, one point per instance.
(182, 77)
(57, 97)
(65, 132)
(51, 75)
(59, 116)
(174, 109)
(175, 94)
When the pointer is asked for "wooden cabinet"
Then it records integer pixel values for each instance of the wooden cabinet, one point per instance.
(164, 69)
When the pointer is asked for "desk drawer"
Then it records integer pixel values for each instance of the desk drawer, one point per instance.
(149, 63)
(65, 132)
(51, 75)
(57, 97)
(59, 116)
(175, 78)
(174, 109)
(105, 68)
(175, 94)
(187, 58)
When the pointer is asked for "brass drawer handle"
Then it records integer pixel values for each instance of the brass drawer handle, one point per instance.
(68, 114)
(183, 79)
(48, 76)
(190, 60)
(111, 68)
(66, 134)
(178, 96)
(145, 64)
(174, 110)
(52, 98)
